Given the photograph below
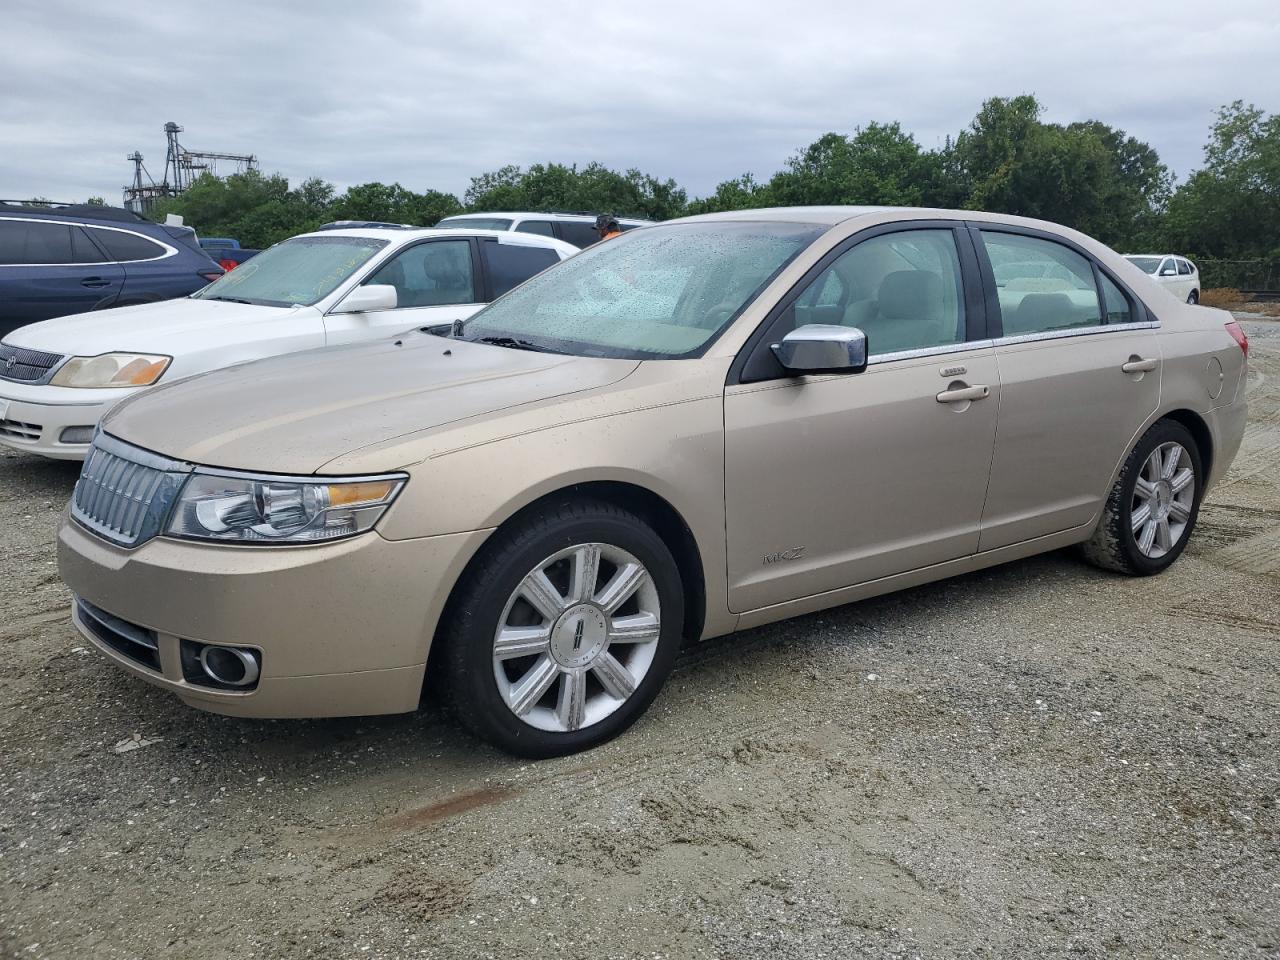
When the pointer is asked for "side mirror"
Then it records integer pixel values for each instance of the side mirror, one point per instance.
(1168, 272)
(823, 348)
(372, 296)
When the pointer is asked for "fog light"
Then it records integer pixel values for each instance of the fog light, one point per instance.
(76, 435)
(225, 668)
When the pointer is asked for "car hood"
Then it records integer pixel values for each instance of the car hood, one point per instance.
(294, 414)
(171, 327)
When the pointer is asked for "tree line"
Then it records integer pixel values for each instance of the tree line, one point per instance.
(1086, 175)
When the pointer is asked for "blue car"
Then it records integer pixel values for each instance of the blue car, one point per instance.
(69, 259)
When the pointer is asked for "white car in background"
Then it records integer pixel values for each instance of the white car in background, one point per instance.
(1176, 274)
(59, 377)
(576, 228)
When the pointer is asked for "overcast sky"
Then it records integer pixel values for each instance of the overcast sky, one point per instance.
(431, 93)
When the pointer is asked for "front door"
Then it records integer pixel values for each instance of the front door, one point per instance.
(1079, 375)
(832, 481)
(436, 282)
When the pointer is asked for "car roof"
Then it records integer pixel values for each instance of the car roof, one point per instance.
(401, 235)
(72, 211)
(559, 214)
(1180, 256)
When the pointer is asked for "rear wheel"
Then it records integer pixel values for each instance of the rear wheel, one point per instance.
(564, 631)
(1152, 508)
(1193, 296)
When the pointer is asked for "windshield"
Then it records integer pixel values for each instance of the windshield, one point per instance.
(662, 292)
(474, 223)
(1145, 264)
(298, 271)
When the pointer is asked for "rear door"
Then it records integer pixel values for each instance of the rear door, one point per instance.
(437, 281)
(51, 269)
(152, 268)
(1079, 375)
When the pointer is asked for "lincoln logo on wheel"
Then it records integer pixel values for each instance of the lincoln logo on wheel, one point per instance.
(577, 635)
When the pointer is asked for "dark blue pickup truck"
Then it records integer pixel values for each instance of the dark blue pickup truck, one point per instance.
(226, 251)
(64, 259)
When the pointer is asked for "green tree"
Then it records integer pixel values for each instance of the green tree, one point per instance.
(742, 193)
(1231, 207)
(596, 188)
(1084, 175)
(879, 164)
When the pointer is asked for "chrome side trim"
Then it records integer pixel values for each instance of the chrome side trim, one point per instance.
(938, 351)
(1077, 332)
(169, 251)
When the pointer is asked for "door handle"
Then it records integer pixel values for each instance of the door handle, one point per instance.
(94, 282)
(1139, 366)
(963, 394)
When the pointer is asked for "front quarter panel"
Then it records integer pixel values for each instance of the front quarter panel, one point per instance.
(661, 430)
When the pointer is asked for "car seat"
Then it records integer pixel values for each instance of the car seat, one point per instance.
(1039, 312)
(907, 313)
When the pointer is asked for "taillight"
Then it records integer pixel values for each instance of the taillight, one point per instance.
(1238, 336)
(210, 275)
(227, 265)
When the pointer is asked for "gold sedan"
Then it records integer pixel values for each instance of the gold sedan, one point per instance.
(699, 427)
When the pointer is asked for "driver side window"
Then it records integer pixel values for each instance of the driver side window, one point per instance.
(903, 290)
(430, 274)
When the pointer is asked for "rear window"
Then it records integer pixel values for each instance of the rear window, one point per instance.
(474, 223)
(510, 265)
(126, 247)
(541, 227)
(35, 242)
(1184, 268)
(1145, 264)
(577, 232)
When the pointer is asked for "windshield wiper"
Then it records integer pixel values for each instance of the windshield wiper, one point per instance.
(514, 343)
(232, 300)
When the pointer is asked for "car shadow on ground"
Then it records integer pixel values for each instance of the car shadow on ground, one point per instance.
(430, 742)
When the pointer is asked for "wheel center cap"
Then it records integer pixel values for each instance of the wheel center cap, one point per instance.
(579, 636)
(1163, 499)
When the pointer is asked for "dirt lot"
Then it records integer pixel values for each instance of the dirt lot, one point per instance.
(1034, 761)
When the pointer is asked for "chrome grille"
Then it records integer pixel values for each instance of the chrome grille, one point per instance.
(124, 493)
(27, 366)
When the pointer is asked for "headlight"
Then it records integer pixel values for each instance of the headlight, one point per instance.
(111, 370)
(270, 510)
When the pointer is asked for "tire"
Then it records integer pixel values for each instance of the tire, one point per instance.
(1161, 532)
(1193, 297)
(575, 634)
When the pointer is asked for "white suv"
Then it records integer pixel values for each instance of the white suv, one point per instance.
(1178, 275)
(59, 377)
(576, 228)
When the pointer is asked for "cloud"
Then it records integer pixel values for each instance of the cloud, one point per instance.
(430, 94)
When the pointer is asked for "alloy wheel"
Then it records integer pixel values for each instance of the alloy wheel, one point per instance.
(576, 637)
(1163, 498)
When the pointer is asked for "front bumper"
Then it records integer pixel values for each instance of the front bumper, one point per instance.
(34, 417)
(343, 629)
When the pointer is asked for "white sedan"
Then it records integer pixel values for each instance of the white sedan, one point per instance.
(59, 377)
(1176, 274)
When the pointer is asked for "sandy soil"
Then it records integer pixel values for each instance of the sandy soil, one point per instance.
(1039, 760)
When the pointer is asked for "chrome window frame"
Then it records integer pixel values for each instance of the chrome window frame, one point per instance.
(169, 251)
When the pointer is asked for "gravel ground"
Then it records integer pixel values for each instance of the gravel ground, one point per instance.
(1033, 761)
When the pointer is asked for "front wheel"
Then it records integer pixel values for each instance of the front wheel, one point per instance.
(1153, 505)
(564, 630)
